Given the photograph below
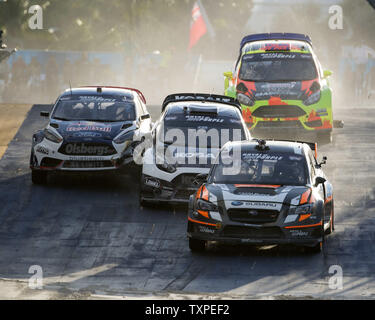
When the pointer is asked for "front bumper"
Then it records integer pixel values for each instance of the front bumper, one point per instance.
(312, 119)
(157, 190)
(46, 157)
(235, 233)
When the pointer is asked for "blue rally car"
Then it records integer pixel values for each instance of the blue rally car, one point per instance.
(90, 129)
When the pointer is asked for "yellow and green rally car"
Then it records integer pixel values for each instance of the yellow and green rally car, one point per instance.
(282, 87)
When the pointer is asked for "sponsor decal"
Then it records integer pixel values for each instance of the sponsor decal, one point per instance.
(260, 156)
(96, 98)
(261, 204)
(204, 119)
(299, 233)
(86, 158)
(43, 150)
(88, 127)
(277, 56)
(205, 229)
(236, 203)
(87, 135)
(193, 155)
(277, 46)
(83, 149)
(253, 194)
(206, 98)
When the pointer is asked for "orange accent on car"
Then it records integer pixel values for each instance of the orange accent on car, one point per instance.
(256, 186)
(305, 196)
(276, 101)
(206, 223)
(305, 226)
(205, 193)
(198, 194)
(304, 216)
(246, 114)
(316, 150)
(330, 198)
(313, 116)
(204, 213)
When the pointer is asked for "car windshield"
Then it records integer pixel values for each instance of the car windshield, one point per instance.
(272, 67)
(102, 109)
(200, 130)
(260, 168)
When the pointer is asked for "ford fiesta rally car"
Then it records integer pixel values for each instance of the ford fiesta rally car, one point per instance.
(89, 129)
(282, 87)
(268, 192)
(185, 141)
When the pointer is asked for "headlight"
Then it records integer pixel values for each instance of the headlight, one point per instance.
(314, 98)
(244, 99)
(120, 139)
(307, 208)
(206, 206)
(51, 136)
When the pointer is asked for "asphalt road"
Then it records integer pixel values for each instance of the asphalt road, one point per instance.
(90, 236)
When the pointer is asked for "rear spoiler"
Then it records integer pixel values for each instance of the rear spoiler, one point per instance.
(126, 88)
(200, 97)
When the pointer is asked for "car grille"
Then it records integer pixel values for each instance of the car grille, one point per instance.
(279, 125)
(284, 111)
(253, 215)
(185, 181)
(87, 149)
(75, 164)
(50, 162)
(257, 233)
(184, 185)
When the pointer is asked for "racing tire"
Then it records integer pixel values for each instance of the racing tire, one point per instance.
(196, 245)
(332, 221)
(315, 249)
(318, 248)
(39, 177)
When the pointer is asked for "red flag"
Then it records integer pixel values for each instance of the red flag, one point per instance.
(198, 26)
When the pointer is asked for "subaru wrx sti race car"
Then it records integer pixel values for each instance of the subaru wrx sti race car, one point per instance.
(263, 192)
(185, 141)
(90, 129)
(282, 87)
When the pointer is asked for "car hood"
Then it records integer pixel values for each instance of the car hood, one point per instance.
(78, 130)
(291, 90)
(255, 196)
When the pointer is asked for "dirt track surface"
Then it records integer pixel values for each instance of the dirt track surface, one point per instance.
(11, 117)
(92, 239)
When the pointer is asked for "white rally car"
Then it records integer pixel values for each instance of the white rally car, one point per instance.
(90, 129)
(185, 141)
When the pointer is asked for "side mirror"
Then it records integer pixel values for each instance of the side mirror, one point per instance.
(324, 161)
(44, 114)
(200, 179)
(319, 180)
(145, 116)
(327, 73)
(338, 124)
(228, 74)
